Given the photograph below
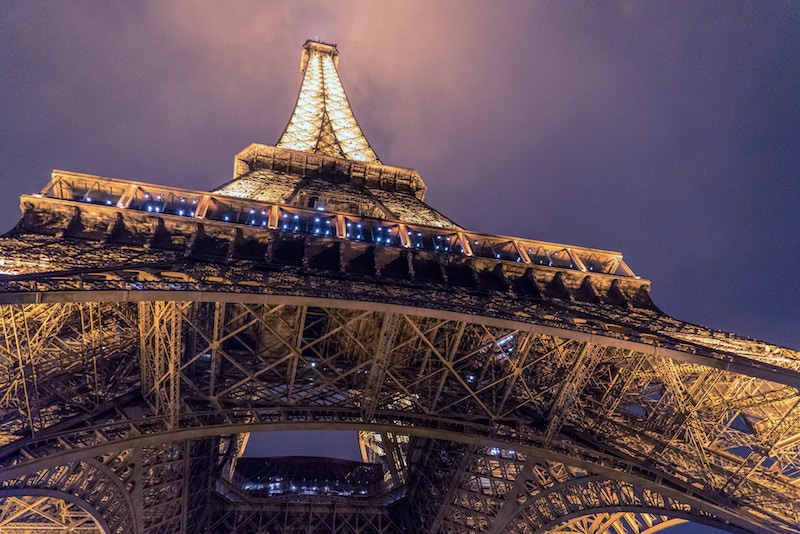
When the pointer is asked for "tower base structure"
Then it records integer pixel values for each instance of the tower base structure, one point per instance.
(498, 384)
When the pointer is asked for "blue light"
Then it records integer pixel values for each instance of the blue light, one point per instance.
(88, 199)
(149, 208)
(108, 202)
(226, 218)
(158, 209)
(505, 340)
(180, 212)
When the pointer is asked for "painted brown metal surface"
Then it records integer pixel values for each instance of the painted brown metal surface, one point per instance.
(506, 384)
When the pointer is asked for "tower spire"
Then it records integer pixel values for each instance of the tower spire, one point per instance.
(322, 121)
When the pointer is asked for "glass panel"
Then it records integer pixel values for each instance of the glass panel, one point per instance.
(499, 249)
(596, 263)
(550, 257)
(238, 212)
(155, 201)
(307, 222)
(428, 239)
(372, 231)
(89, 191)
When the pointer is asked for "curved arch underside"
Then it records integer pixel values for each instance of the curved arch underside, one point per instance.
(48, 511)
(127, 400)
(484, 482)
(628, 522)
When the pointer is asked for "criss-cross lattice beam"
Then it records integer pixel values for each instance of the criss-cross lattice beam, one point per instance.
(28, 515)
(322, 120)
(204, 365)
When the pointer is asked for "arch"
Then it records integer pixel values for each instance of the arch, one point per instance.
(117, 482)
(608, 521)
(492, 426)
(55, 494)
(614, 495)
(604, 467)
(705, 356)
(710, 522)
(98, 491)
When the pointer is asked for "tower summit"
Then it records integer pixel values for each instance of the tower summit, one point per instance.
(498, 384)
(322, 121)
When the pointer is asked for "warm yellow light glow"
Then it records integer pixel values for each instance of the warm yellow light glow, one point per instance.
(322, 121)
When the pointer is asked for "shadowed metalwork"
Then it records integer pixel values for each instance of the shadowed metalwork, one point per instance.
(503, 384)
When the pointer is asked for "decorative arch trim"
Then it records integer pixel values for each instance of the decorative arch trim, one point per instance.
(68, 497)
(602, 472)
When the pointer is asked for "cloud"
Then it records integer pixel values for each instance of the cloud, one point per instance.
(666, 131)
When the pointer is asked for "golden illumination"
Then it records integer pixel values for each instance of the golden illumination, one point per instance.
(322, 121)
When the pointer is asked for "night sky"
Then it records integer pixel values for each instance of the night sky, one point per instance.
(669, 131)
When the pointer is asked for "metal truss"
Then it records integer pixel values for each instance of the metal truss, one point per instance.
(297, 518)
(617, 523)
(507, 385)
(322, 120)
(150, 489)
(593, 428)
(388, 449)
(35, 514)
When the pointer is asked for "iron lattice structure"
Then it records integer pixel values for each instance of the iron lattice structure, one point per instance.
(505, 384)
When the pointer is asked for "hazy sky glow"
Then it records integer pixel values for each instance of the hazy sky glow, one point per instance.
(667, 130)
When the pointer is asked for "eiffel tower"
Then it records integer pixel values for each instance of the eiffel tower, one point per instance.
(496, 384)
